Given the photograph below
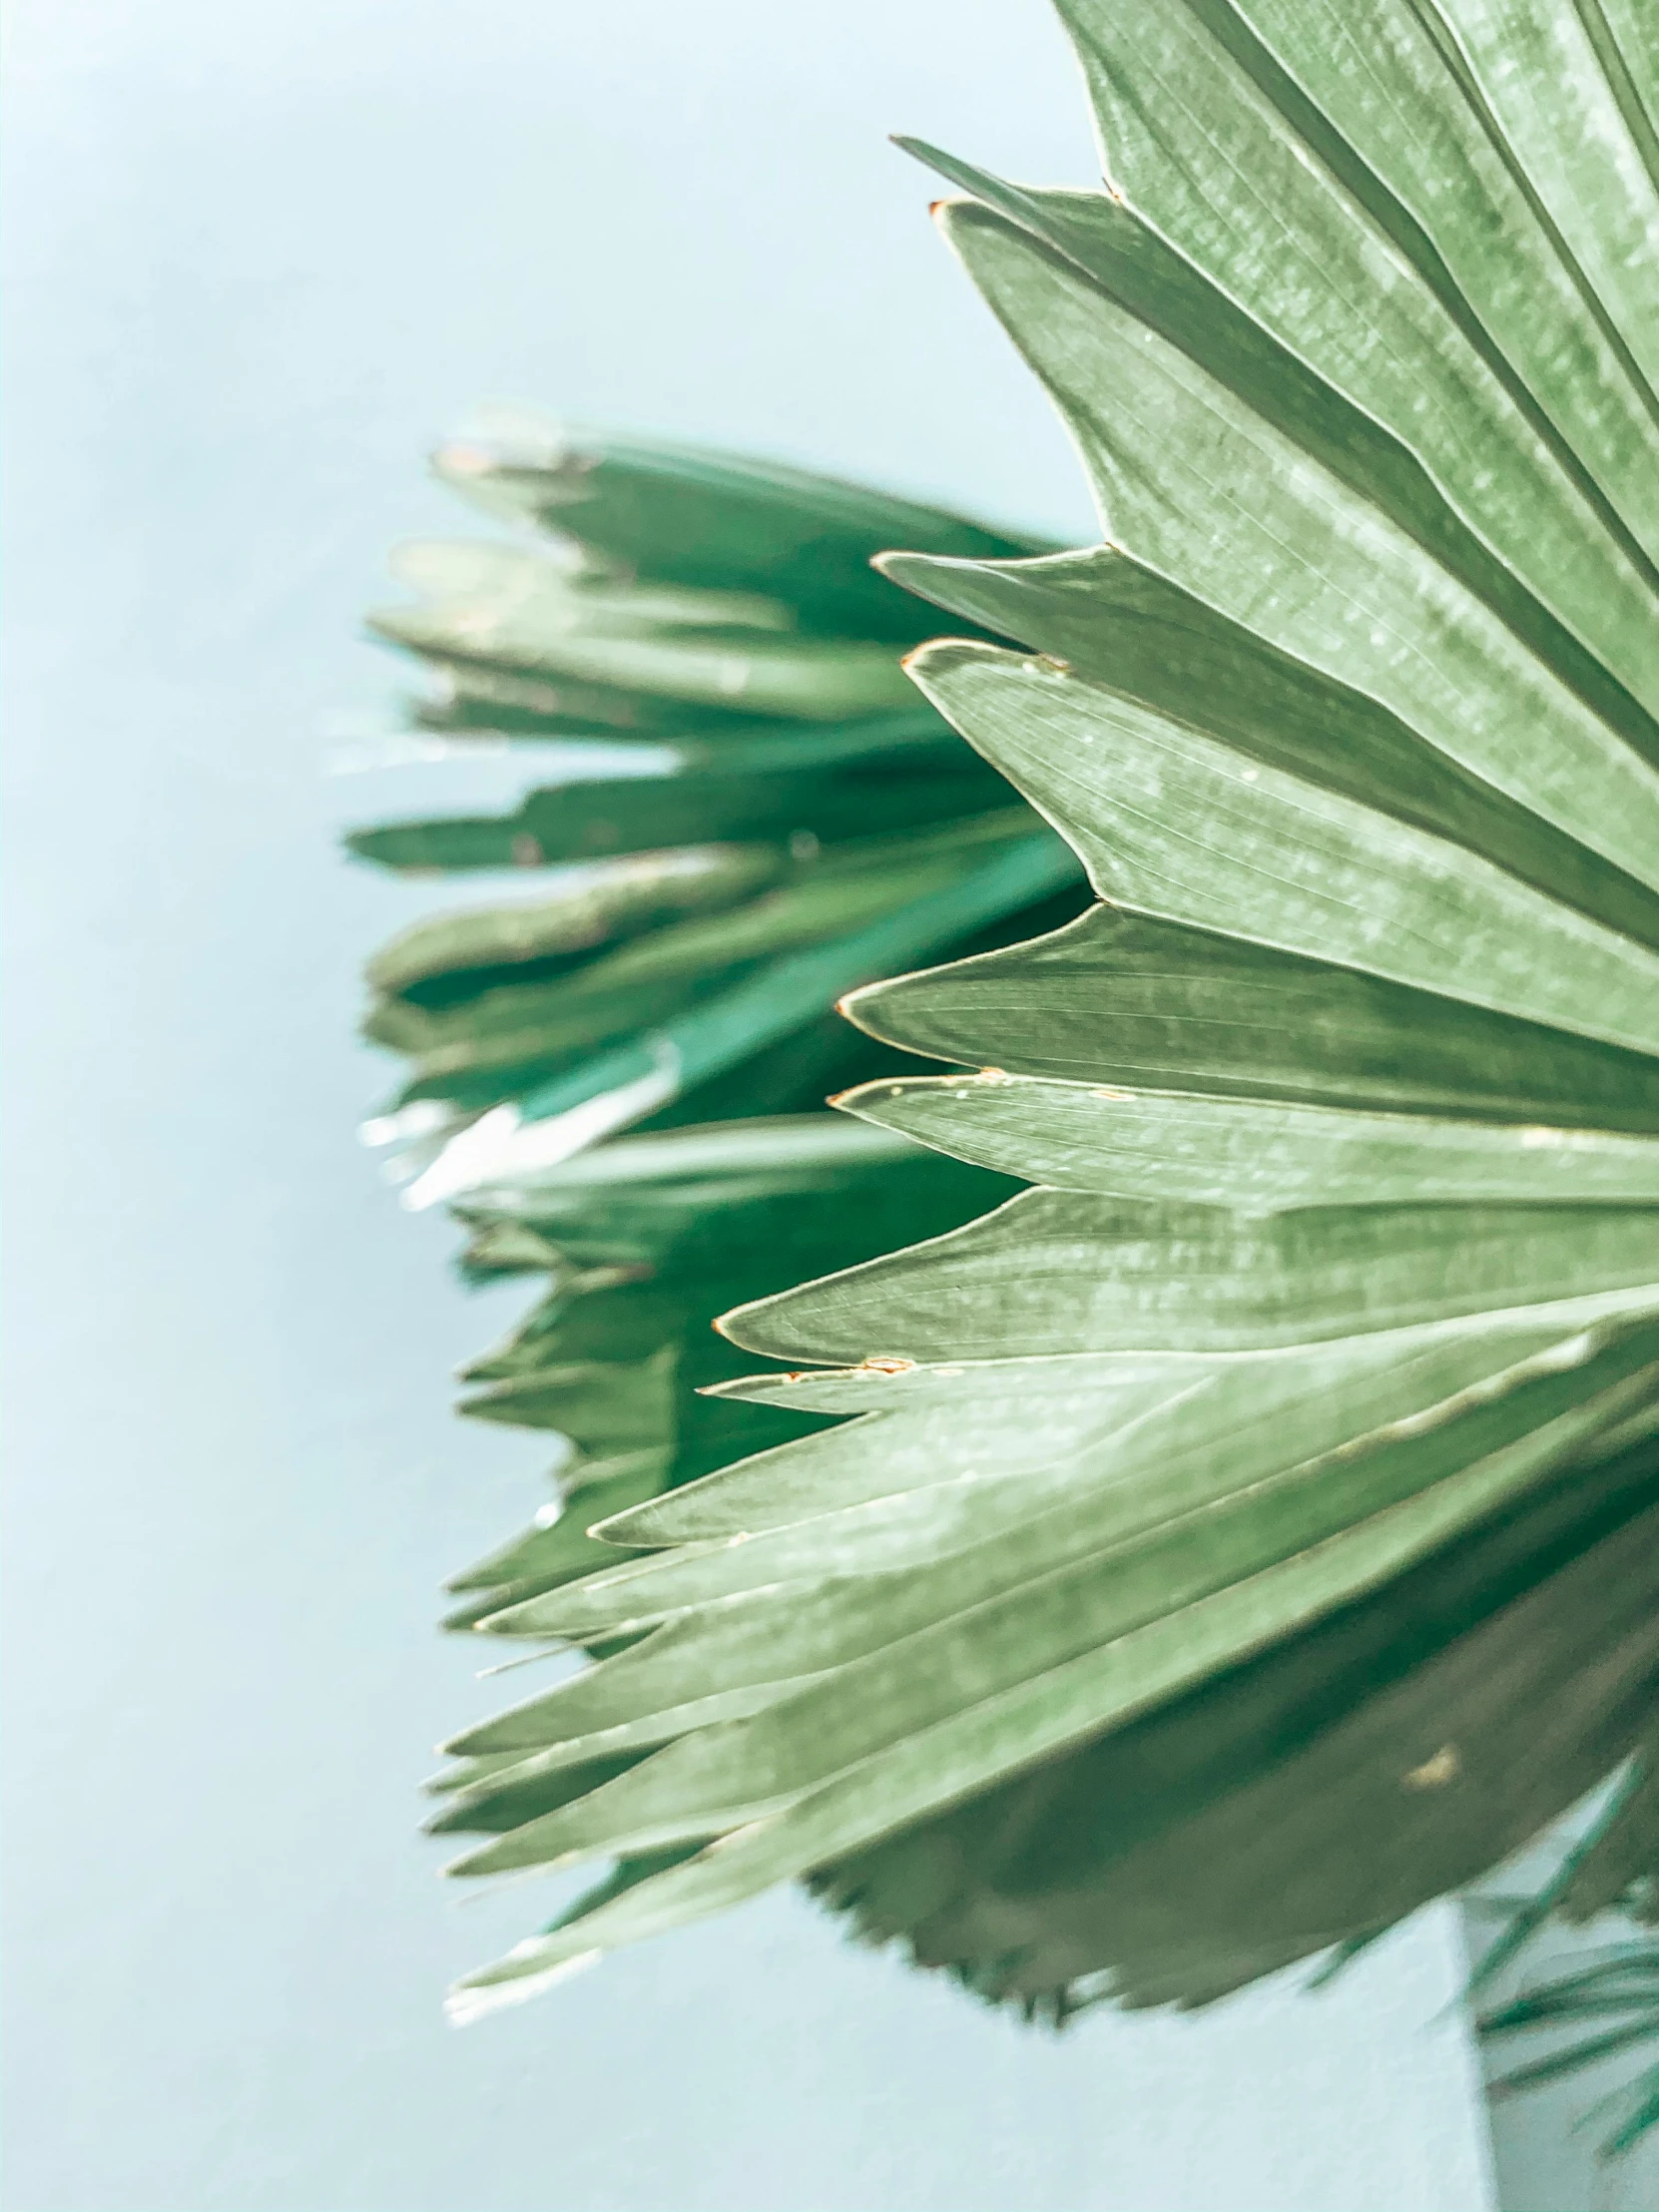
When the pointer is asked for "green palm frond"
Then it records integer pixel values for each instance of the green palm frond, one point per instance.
(1604, 2008)
(1607, 2003)
(1247, 1533)
(740, 811)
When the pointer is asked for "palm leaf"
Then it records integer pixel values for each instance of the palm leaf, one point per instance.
(745, 813)
(1606, 2004)
(1247, 1533)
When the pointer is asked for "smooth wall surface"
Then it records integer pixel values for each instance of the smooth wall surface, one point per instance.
(260, 257)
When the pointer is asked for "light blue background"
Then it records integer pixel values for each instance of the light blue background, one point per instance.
(260, 257)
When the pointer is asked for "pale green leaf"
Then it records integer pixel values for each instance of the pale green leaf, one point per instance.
(1173, 824)
(1064, 1271)
(1257, 1154)
(1018, 1701)
(1536, 66)
(1143, 1004)
(1196, 482)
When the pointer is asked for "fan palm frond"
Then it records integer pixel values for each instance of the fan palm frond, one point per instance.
(742, 809)
(1246, 1533)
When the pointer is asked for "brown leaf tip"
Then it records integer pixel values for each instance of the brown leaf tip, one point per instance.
(1434, 1773)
